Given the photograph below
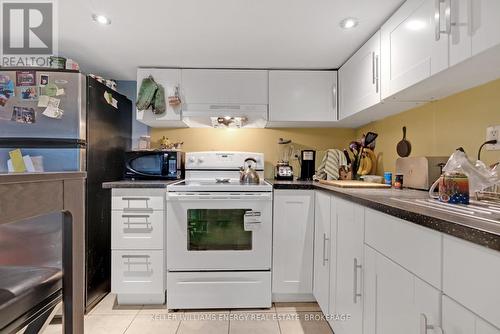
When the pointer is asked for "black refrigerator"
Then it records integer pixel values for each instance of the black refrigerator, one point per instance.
(66, 121)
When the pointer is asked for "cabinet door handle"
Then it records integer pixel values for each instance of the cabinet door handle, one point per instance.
(437, 18)
(424, 326)
(447, 13)
(334, 96)
(355, 293)
(325, 239)
(377, 75)
(373, 68)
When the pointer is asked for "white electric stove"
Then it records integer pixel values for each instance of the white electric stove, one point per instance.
(219, 235)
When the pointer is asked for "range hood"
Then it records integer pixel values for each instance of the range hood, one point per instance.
(224, 98)
(225, 115)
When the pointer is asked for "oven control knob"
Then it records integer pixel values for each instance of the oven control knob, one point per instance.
(192, 159)
(200, 160)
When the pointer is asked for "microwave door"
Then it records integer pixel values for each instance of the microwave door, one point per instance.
(146, 165)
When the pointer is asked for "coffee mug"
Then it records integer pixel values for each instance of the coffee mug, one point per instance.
(453, 188)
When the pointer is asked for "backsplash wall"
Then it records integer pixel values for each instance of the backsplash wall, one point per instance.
(256, 140)
(438, 128)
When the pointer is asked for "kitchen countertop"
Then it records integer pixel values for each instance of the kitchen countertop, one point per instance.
(388, 201)
(138, 184)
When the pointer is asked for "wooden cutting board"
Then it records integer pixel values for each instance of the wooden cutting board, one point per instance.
(353, 184)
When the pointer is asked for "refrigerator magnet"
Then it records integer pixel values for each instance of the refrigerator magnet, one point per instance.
(6, 87)
(26, 78)
(50, 89)
(28, 93)
(23, 115)
(44, 80)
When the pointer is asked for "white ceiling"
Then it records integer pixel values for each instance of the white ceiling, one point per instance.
(215, 33)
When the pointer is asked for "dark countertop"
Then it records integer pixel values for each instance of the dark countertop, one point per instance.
(138, 184)
(388, 201)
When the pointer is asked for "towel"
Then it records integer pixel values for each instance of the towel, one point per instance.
(330, 165)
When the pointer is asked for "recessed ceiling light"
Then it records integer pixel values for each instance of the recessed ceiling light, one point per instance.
(101, 19)
(349, 22)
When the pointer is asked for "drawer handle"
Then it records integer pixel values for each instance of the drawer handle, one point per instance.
(137, 260)
(135, 198)
(356, 294)
(424, 326)
(144, 210)
(146, 222)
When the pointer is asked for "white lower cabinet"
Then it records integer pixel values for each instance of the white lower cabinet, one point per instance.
(350, 262)
(322, 245)
(471, 276)
(137, 276)
(375, 273)
(403, 303)
(293, 233)
(458, 320)
(137, 246)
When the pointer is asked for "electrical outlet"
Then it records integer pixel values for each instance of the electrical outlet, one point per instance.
(493, 132)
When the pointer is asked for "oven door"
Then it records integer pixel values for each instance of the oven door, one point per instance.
(219, 231)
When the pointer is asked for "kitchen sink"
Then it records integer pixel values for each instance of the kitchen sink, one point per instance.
(483, 210)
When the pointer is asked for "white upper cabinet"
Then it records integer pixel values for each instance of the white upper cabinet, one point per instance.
(170, 79)
(359, 79)
(475, 28)
(302, 96)
(210, 86)
(322, 245)
(414, 44)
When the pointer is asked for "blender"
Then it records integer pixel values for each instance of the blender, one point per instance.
(283, 169)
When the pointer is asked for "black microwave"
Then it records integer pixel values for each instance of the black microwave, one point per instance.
(150, 165)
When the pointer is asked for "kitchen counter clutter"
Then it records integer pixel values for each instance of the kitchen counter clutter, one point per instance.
(399, 203)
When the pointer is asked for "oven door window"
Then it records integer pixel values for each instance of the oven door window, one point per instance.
(147, 164)
(217, 229)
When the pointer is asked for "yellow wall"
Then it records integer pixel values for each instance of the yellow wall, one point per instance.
(438, 128)
(256, 140)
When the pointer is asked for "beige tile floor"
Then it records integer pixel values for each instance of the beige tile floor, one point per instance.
(284, 318)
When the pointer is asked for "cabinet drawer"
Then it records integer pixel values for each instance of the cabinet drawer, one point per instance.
(137, 230)
(137, 271)
(138, 199)
(414, 247)
(471, 276)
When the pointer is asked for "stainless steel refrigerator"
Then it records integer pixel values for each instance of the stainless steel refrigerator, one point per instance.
(66, 121)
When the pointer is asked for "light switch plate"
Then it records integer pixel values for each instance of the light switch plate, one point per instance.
(493, 132)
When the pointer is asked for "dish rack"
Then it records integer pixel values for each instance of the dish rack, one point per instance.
(491, 194)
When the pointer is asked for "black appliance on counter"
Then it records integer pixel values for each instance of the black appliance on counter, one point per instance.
(154, 165)
(91, 135)
(307, 164)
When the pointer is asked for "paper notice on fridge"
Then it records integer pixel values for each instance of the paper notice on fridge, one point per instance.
(43, 101)
(111, 100)
(53, 112)
(18, 165)
(60, 91)
(28, 163)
